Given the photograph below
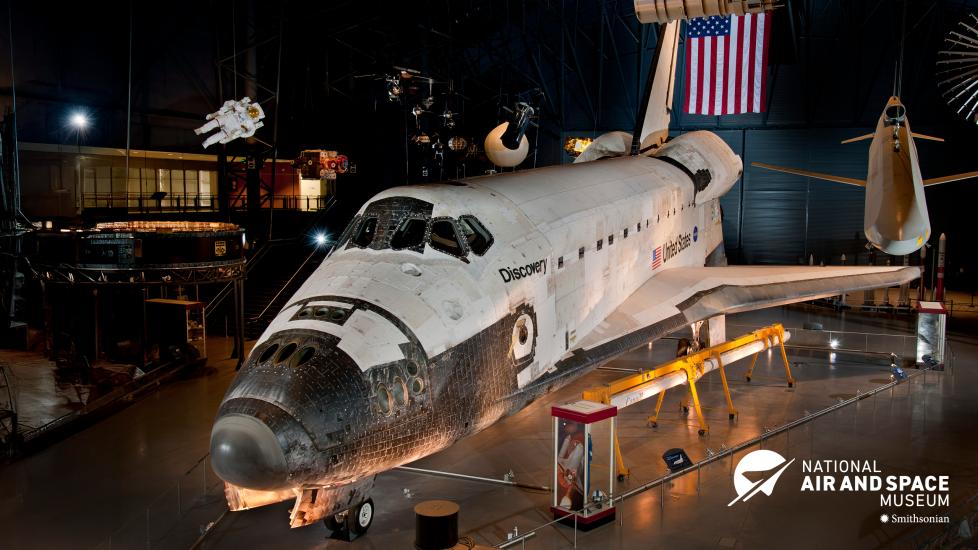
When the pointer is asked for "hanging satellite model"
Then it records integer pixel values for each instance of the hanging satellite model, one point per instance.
(506, 145)
(235, 119)
(958, 69)
(322, 165)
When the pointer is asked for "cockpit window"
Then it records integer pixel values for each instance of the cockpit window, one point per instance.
(345, 236)
(365, 234)
(478, 238)
(444, 238)
(409, 234)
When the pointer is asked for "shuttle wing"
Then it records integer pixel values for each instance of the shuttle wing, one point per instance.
(678, 297)
(810, 174)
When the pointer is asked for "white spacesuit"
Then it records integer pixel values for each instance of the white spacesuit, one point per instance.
(235, 119)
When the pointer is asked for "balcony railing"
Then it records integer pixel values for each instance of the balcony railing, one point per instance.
(137, 202)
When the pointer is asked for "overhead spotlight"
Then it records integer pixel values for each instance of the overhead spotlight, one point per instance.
(457, 143)
(79, 120)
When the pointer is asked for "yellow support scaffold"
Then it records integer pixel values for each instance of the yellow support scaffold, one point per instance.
(694, 366)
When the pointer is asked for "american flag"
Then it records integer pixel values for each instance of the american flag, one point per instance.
(726, 63)
(657, 257)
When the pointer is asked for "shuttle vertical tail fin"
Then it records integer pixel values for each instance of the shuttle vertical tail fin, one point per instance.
(652, 125)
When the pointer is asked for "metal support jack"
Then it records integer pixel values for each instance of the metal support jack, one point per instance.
(688, 369)
(778, 331)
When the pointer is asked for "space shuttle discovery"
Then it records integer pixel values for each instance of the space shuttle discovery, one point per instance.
(446, 307)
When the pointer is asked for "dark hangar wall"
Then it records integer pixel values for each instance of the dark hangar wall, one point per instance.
(831, 69)
(830, 72)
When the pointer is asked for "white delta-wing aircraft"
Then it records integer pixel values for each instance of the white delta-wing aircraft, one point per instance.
(895, 216)
(446, 307)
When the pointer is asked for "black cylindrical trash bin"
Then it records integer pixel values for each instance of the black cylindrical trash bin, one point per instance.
(436, 525)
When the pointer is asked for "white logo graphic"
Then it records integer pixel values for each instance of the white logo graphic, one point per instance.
(758, 461)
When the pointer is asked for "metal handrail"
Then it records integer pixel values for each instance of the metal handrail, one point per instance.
(260, 254)
(286, 285)
(249, 265)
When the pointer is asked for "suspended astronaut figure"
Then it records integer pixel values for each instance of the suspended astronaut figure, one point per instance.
(235, 119)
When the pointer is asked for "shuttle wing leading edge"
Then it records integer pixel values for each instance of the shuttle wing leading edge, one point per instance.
(678, 297)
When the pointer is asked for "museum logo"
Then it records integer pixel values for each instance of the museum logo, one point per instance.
(514, 273)
(770, 466)
(760, 470)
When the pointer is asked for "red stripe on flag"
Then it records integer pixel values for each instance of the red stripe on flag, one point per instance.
(750, 60)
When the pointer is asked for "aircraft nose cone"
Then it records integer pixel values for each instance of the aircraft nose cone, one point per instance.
(246, 453)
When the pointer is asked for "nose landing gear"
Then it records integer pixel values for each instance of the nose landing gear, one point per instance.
(350, 524)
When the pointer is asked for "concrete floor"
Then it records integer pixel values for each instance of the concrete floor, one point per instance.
(101, 481)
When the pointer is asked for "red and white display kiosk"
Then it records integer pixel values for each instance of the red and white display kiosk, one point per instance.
(584, 465)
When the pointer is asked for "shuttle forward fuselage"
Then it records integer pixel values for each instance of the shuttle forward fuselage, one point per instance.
(385, 356)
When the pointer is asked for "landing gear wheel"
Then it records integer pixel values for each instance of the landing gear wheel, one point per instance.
(702, 431)
(654, 424)
(748, 378)
(791, 384)
(685, 411)
(732, 415)
(621, 477)
(358, 519)
(333, 524)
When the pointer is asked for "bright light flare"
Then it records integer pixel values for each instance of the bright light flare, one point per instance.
(79, 120)
(833, 343)
(320, 239)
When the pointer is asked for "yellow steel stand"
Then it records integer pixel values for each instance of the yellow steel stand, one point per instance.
(726, 388)
(692, 365)
(691, 379)
(653, 420)
(784, 356)
(750, 370)
(768, 334)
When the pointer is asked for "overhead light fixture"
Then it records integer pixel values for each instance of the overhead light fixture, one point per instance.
(79, 120)
(320, 239)
(421, 138)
